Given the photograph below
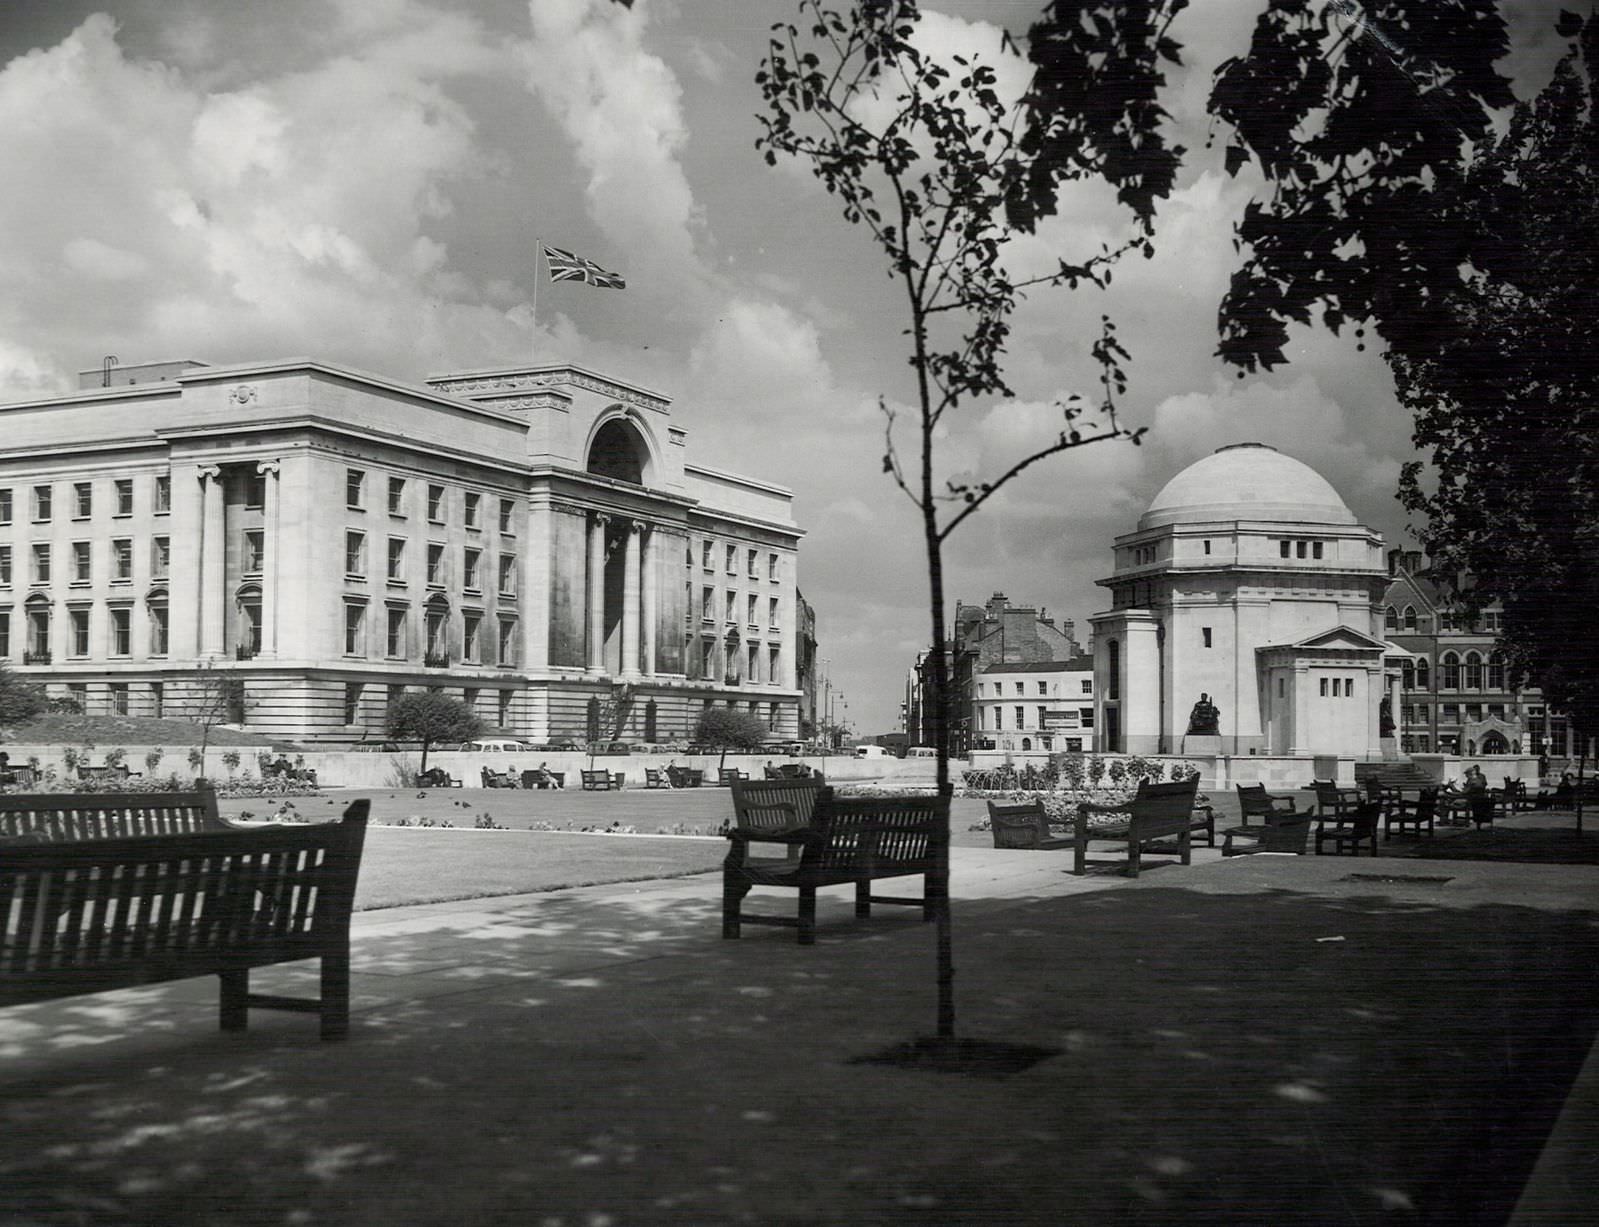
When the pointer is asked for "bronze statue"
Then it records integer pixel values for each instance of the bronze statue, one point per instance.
(1385, 716)
(1205, 719)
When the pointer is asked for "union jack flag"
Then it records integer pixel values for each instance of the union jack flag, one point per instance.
(564, 266)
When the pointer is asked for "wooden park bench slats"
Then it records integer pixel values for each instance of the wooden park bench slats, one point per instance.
(95, 914)
(57, 817)
(685, 777)
(1156, 810)
(852, 840)
(598, 781)
(654, 777)
(1023, 825)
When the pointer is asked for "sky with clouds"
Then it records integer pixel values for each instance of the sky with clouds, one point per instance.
(362, 181)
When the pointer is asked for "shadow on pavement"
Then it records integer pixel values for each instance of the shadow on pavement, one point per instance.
(1229, 1056)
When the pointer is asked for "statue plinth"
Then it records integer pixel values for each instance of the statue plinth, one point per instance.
(1202, 743)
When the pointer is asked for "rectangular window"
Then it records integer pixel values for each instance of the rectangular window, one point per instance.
(754, 561)
(435, 504)
(352, 701)
(507, 516)
(1205, 631)
(507, 574)
(471, 637)
(78, 620)
(1281, 688)
(505, 708)
(774, 658)
(355, 554)
(1299, 549)
(158, 631)
(1315, 549)
(82, 563)
(354, 628)
(122, 559)
(732, 560)
(999, 717)
(163, 493)
(41, 503)
(41, 564)
(121, 632)
(708, 604)
(1021, 717)
(1324, 688)
(730, 606)
(255, 490)
(160, 557)
(435, 565)
(396, 496)
(751, 606)
(508, 652)
(5, 566)
(354, 488)
(1088, 686)
(1021, 687)
(752, 663)
(124, 493)
(254, 550)
(1207, 547)
(1043, 687)
(395, 643)
(396, 558)
(473, 503)
(469, 567)
(1349, 687)
(5, 505)
(1085, 717)
(119, 698)
(707, 550)
(771, 566)
(773, 605)
(82, 500)
(1284, 547)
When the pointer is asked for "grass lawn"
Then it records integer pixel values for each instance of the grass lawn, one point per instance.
(129, 731)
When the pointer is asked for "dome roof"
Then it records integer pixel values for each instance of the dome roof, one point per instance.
(1247, 481)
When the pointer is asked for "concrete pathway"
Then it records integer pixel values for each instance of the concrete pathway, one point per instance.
(1265, 1039)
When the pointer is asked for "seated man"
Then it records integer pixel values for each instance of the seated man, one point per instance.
(433, 777)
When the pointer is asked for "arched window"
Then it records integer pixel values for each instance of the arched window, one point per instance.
(1027, 743)
(436, 621)
(247, 627)
(1473, 671)
(1423, 674)
(619, 452)
(1410, 617)
(1496, 671)
(1390, 619)
(37, 651)
(1449, 666)
(155, 607)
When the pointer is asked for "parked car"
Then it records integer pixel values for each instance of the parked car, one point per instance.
(609, 747)
(872, 752)
(920, 752)
(492, 746)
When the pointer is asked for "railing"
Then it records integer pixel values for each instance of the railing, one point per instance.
(36, 658)
(436, 660)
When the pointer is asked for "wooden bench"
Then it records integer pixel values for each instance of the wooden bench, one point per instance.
(1272, 823)
(655, 777)
(543, 777)
(1023, 825)
(92, 914)
(599, 781)
(56, 817)
(775, 806)
(1350, 830)
(726, 775)
(849, 840)
(685, 777)
(437, 777)
(498, 779)
(1157, 810)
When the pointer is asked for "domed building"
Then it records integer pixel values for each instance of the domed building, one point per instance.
(1245, 618)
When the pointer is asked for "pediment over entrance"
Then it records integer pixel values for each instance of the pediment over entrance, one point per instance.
(1336, 638)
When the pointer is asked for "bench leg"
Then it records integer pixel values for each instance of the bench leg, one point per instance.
(1186, 843)
(1134, 857)
(335, 996)
(807, 916)
(863, 898)
(1080, 858)
(235, 1012)
(734, 888)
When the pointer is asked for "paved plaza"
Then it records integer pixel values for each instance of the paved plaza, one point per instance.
(1269, 1039)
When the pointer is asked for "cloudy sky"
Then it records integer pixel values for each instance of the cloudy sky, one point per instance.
(362, 181)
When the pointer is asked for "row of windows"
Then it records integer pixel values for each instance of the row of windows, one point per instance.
(729, 605)
(752, 559)
(472, 564)
(438, 624)
(42, 499)
(80, 625)
(81, 561)
(1489, 621)
(1020, 688)
(1472, 672)
(473, 503)
(1340, 687)
(1299, 547)
(719, 662)
(994, 717)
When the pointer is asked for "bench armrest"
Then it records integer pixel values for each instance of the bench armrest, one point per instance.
(794, 835)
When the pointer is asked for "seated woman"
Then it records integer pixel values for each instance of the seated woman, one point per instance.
(1565, 793)
(433, 777)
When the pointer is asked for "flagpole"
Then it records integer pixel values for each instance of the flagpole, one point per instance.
(538, 254)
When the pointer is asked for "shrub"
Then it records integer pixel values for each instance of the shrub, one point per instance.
(1096, 770)
(197, 758)
(152, 758)
(115, 757)
(1117, 770)
(725, 728)
(230, 760)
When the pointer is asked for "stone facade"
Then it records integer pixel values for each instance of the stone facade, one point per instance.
(300, 543)
(1036, 706)
(1249, 586)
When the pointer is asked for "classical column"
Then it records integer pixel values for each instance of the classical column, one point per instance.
(269, 558)
(596, 661)
(1299, 740)
(213, 553)
(652, 599)
(630, 599)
